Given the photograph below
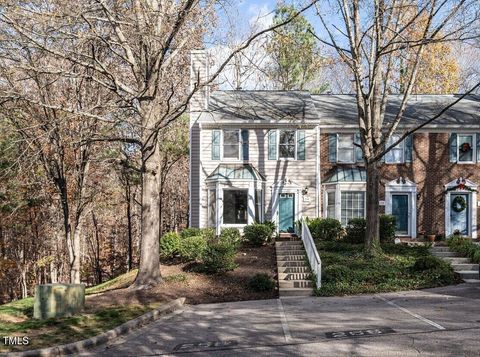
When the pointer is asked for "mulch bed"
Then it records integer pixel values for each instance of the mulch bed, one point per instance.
(200, 288)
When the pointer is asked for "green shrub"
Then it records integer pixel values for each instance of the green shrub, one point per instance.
(427, 262)
(387, 228)
(327, 229)
(261, 282)
(435, 269)
(465, 247)
(219, 256)
(271, 225)
(190, 232)
(335, 273)
(257, 233)
(170, 245)
(208, 233)
(192, 248)
(231, 235)
(356, 230)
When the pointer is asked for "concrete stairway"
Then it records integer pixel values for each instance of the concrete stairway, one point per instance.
(293, 269)
(463, 266)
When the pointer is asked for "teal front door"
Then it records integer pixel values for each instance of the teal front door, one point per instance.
(400, 211)
(286, 212)
(459, 213)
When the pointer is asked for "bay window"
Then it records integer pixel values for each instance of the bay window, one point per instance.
(352, 206)
(235, 206)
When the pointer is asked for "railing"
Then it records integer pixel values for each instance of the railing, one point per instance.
(312, 254)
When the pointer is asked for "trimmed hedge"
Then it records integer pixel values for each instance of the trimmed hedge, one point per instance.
(325, 229)
(257, 233)
(388, 227)
(219, 256)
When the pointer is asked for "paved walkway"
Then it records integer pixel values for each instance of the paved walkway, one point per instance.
(434, 322)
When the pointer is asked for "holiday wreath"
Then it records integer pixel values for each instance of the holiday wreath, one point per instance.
(459, 204)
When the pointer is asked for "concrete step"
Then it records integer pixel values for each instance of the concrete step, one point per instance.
(295, 284)
(295, 292)
(290, 252)
(289, 264)
(468, 274)
(281, 258)
(289, 270)
(446, 254)
(465, 266)
(472, 281)
(288, 244)
(440, 249)
(294, 276)
(456, 260)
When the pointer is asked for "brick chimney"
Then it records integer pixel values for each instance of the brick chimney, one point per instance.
(199, 74)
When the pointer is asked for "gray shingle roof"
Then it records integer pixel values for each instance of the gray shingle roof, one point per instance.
(332, 110)
(260, 107)
(341, 110)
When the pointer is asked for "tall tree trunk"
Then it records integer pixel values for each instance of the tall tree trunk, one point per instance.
(75, 254)
(23, 282)
(372, 232)
(149, 268)
(128, 196)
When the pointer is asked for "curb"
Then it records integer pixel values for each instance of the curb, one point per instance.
(81, 346)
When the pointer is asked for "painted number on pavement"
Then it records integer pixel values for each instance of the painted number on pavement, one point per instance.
(357, 333)
(207, 344)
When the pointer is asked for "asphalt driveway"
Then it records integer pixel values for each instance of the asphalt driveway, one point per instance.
(433, 322)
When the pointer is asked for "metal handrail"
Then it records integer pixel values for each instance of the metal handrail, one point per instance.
(312, 253)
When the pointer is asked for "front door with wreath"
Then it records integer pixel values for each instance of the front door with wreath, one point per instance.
(459, 213)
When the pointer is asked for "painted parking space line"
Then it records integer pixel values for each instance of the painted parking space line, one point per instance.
(417, 316)
(283, 320)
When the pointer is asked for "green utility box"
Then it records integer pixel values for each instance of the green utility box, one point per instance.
(58, 300)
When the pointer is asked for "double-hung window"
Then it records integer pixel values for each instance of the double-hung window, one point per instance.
(345, 148)
(397, 154)
(286, 144)
(331, 204)
(465, 148)
(352, 205)
(231, 144)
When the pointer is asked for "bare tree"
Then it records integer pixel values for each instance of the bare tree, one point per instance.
(138, 53)
(371, 37)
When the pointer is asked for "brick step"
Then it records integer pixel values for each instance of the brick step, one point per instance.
(468, 274)
(285, 292)
(289, 264)
(446, 254)
(289, 270)
(295, 284)
(456, 260)
(465, 266)
(294, 276)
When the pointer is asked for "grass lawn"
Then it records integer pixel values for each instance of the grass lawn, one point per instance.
(346, 271)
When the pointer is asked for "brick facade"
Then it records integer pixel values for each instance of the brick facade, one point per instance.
(430, 170)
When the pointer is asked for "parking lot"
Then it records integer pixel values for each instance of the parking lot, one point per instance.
(440, 322)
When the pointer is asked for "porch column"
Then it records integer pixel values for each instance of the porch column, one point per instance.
(251, 203)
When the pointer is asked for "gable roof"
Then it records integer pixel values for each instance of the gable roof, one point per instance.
(267, 107)
(341, 110)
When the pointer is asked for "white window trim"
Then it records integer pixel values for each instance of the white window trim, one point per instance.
(338, 188)
(397, 187)
(474, 148)
(240, 146)
(353, 148)
(402, 161)
(294, 158)
(472, 229)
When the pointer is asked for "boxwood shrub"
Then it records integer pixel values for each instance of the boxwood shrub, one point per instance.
(219, 256)
(261, 282)
(356, 230)
(170, 245)
(257, 233)
(325, 229)
(192, 248)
